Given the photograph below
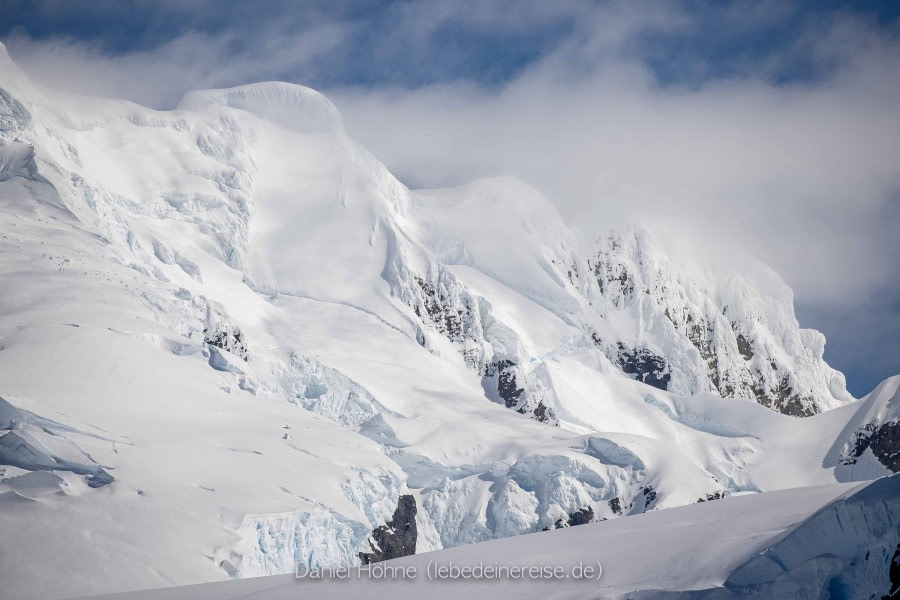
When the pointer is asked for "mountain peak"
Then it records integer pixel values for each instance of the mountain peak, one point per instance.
(725, 323)
(290, 105)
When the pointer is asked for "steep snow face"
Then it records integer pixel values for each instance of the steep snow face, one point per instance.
(729, 329)
(724, 326)
(508, 232)
(869, 446)
(231, 329)
(845, 549)
(137, 362)
(505, 229)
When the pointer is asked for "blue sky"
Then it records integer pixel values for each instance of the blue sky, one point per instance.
(768, 125)
(484, 42)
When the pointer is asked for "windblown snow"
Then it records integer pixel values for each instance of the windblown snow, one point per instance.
(232, 341)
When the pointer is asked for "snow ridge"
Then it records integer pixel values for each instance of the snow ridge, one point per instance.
(289, 105)
(734, 335)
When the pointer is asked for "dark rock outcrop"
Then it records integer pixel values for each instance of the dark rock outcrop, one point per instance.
(581, 516)
(632, 273)
(510, 383)
(453, 314)
(507, 384)
(227, 338)
(714, 496)
(221, 332)
(858, 443)
(784, 400)
(615, 505)
(883, 440)
(885, 445)
(894, 576)
(644, 501)
(395, 538)
(745, 347)
(645, 366)
(452, 311)
(640, 363)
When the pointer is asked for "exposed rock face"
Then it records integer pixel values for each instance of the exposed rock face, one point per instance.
(525, 393)
(731, 334)
(644, 366)
(874, 427)
(222, 333)
(451, 310)
(507, 384)
(894, 576)
(487, 346)
(579, 517)
(615, 505)
(649, 496)
(883, 440)
(713, 496)
(727, 330)
(858, 443)
(885, 445)
(395, 538)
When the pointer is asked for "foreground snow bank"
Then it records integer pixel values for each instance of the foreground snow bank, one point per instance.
(835, 541)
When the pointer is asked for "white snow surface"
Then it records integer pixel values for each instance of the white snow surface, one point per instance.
(230, 339)
(789, 544)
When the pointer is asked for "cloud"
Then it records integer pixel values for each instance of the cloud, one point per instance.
(160, 75)
(799, 173)
(752, 125)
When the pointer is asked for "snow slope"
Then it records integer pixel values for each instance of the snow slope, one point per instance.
(839, 540)
(231, 340)
(869, 445)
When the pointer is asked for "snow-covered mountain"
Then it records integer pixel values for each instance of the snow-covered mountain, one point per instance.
(231, 340)
(869, 446)
(737, 315)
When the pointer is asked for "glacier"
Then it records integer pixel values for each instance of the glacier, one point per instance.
(231, 341)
